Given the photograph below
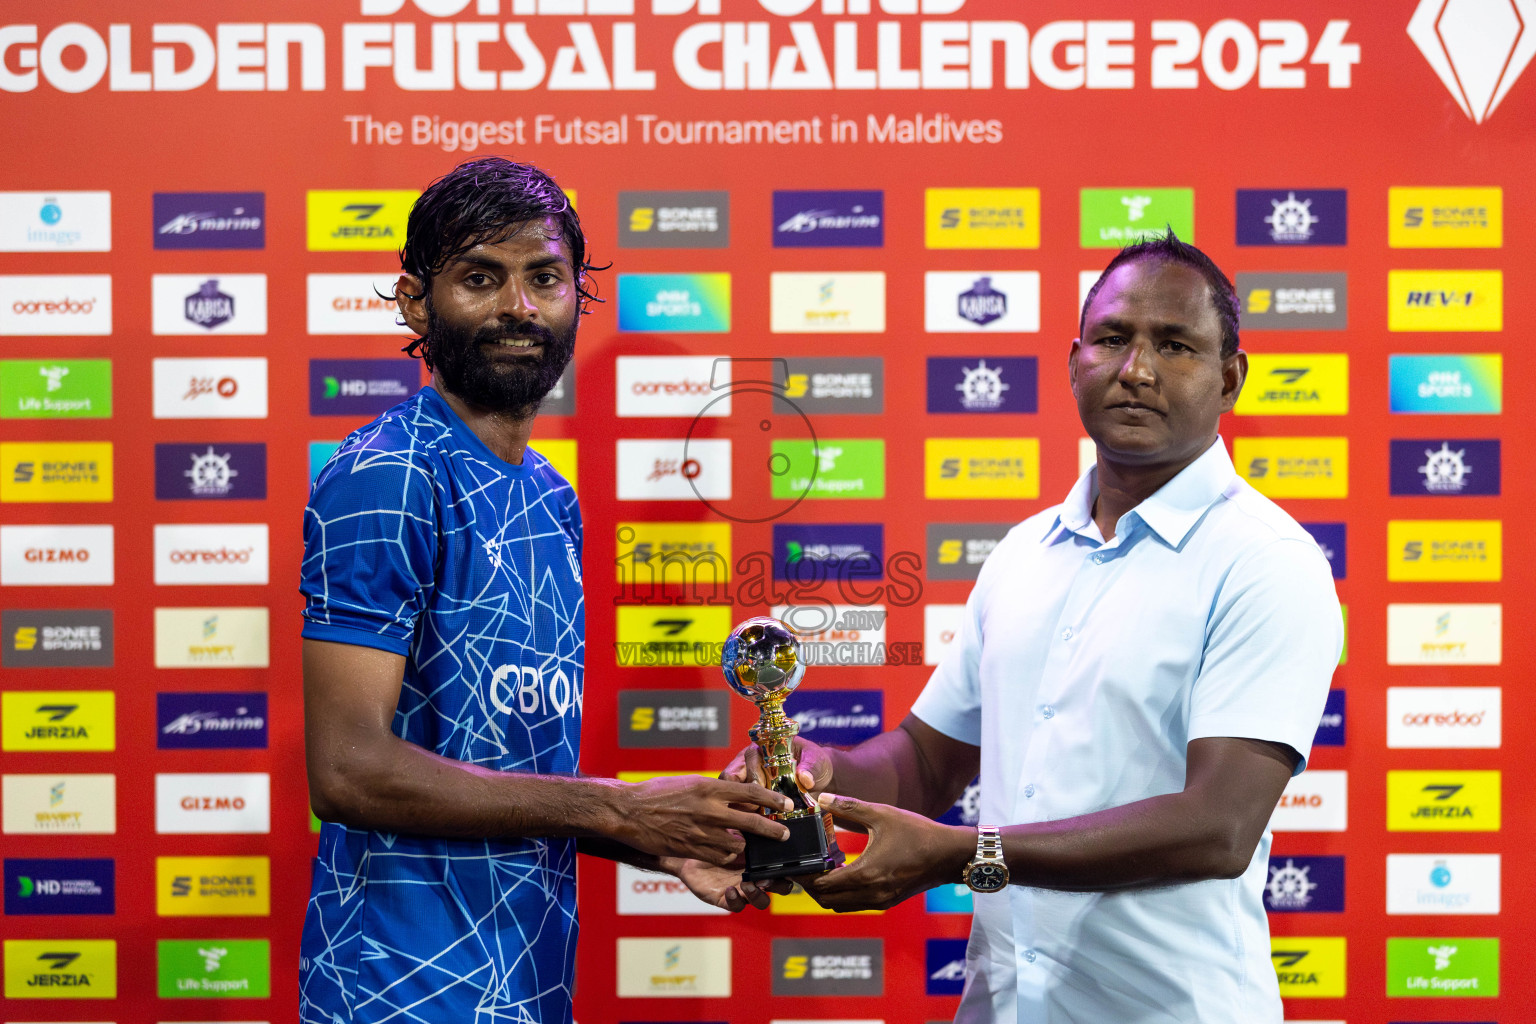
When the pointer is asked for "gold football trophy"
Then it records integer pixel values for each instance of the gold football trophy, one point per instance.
(761, 661)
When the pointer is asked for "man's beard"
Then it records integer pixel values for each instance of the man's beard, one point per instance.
(466, 370)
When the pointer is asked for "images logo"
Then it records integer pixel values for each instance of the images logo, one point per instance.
(981, 218)
(982, 384)
(1450, 801)
(55, 304)
(1112, 218)
(675, 303)
(352, 304)
(674, 967)
(211, 637)
(212, 553)
(1444, 717)
(835, 384)
(1294, 467)
(981, 467)
(833, 303)
(60, 969)
(834, 468)
(804, 220)
(956, 551)
(1315, 801)
(1445, 634)
(343, 221)
(1461, 384)
(213, 886)
(1450, 469)
(691, 386)
(210, 220)
(674, 470)
(1445, 300)
(210, 721)
(214, 968)
(674, 718)
(55, 389)
(55, 222)
(212, 389)
(203, 471)
(59, 887)
(77, 720)
(56, 471)
(1310, 967)
(1292, 217)
(1478, 53)
(994, 302)
(217, 804)
(811, 552)
(1314, 885)
(1295, 301)
(674, 220)
(55, 639)
(1445, 218)
(1465, 883)
(944, 965)
(50, 804)
(1443, 967)
(199, 304)
(828, 967)
(1433, 550)
(360, 387)
(1295, 385)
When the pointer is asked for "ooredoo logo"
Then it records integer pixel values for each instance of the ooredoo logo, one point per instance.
(54, 556)
(55, 304)
(1446, 717)
(644, 893)
(214, 553)
(673, 386)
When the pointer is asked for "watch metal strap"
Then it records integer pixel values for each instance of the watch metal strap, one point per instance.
(989, 843)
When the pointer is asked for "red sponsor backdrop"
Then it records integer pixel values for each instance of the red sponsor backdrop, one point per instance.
(1387, 120)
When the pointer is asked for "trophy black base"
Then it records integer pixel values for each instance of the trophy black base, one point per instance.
(807, 851)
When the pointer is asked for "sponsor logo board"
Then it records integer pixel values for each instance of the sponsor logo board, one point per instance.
(1441, 467)
(1457, 550)
(836, 634)
(1451, 883)
(993, 301)
(213, 886)
(60, 969)
(211, 389)
(202, 304)
(1287, 217)
(1309, 967)
(210, 471)
(983, 384)
(55, 304)
(842, 717)
(561, 455)
(1444, 717)
(648, 894)
(62, 886)
(949, 899)
(1314, 801)
(36, 389)
(74, 720)
(1453, 384)
(828, 967)
(673, 385)
(1332, 541)
(1314, 885)
(1294, 301)
(210, 804)
(1445, 634)
(941, 629)
(210, 721)
(1294, 467)
(210, 220)
(55, 638)
(55, 222)
(1448, 801)
(685, 553)
(1331, 726)
(1445, 218)
(196, 554)
(674, 470)
(670, 635)
(561, 400)
(352, 304)
(834, 384)
(981, 467)
(213, 968)
(956, 551)
(981, 218)
(357, 221)
(674, 718)
(827, 303)
(1295, 385)
(1443, 967)
(834, 468)
(671, 968)
(360, 387)
(944, 966)
(55, 804)
(55, 471)
(675, 303)
(812, 552)
(212, 637)
(1445, 300)
(674, 220)
(1111, 218)
(56, 556)
(845, 217)
(798, 903)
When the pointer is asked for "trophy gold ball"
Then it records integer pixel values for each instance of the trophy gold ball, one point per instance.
(762, 661)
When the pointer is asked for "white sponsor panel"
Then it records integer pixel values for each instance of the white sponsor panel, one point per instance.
(211, 389)
(55, 304)
(674, 470)
(1445, 883)
(59, 804)
(674, 967)
(1445, 634)
(55, 221)
(1087, 455)
(838, 634)
(213, 803)
(209, 303)
(673, 386)
(195, 554)
(212, 637)
(1086, 279)
(353, 304)
(56, 556)
(843, 303)
(647, 893)
(941, 629)
(984, 301)
(1314, 801)
(1444, 717)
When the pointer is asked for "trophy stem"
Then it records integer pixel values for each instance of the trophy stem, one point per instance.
(775, 734)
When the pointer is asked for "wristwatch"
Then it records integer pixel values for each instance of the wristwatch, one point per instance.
(986, 872)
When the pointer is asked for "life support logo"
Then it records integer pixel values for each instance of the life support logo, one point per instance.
(523, 690)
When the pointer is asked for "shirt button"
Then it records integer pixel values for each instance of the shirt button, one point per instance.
(1066, 634)
(1048, 711)
(1029, 790)
(1098, 559)
(1029, 955)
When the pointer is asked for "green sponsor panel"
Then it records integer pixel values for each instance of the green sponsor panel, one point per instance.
(1116, 217)
(837, 468)
(1442, 967)
(215, 968)
(37, 389)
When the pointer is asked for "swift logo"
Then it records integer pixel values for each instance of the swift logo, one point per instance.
(1478, 50)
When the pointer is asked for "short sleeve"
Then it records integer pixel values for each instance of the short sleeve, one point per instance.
(951, 701)
(370, 549)
(1273, 643)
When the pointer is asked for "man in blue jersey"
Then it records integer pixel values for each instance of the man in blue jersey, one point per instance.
(443, 654)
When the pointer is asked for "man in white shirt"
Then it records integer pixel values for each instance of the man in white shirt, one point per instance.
(1140, 671)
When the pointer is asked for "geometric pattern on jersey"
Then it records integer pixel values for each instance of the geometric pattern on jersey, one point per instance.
(420, 541)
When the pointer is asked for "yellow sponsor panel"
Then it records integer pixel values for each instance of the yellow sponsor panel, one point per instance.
(1445, 218)
(352, 220)
(561, 453)
(1445, 300)
(684, 553)
(1294, 467)
(60, 969)
(981, 467)
(1310, 967)
(1451, 801)
(982, 218)
(799, 902)
(645, 776)
(56, 471)
(672, 635)
(213, 886)
(58, 720)
(1445, 550)
(1300, 385)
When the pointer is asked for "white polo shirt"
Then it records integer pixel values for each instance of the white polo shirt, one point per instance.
(1083, 670)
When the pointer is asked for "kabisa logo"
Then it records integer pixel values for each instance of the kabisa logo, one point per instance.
(1292, 217)
(982, 384)
(1310, 884)
(65, 720)
(358, 221)
(1449, 801)
(842, 717)
(992, 302)
(674, 220)
(1477, 51)
(675, 303)
(59, 886)
(206, 721)
(1454, 467)
(208, 307)
(944, 965)
(828, 218)
(210, 220)
(1465, 384)
(60, 969)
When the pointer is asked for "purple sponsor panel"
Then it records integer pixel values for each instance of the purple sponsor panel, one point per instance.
(842, 717)
(1444, 467)
(210, 470)
(983, 384)
(60, 886)
(210, 220)
(805, 220)
(209, 721)
(1332, 540)
(944, 966)
(1313, 885)
(1285, 216)
(360, 387)
(1330, 728)
(808, 552)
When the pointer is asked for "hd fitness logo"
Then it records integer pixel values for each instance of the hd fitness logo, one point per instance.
(360, 387)
(59, 886)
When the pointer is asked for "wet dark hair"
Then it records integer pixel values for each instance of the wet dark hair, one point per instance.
(1167, 248)
(487, 201)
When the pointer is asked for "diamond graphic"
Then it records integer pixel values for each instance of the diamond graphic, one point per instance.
(1478, 47)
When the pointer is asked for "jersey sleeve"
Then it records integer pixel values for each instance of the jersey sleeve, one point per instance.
(951, 700)
(370, 549)
(1273, 643)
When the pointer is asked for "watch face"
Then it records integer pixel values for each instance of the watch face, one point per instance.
(987, 877)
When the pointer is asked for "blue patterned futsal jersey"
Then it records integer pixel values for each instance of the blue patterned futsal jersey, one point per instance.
(420, 541)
